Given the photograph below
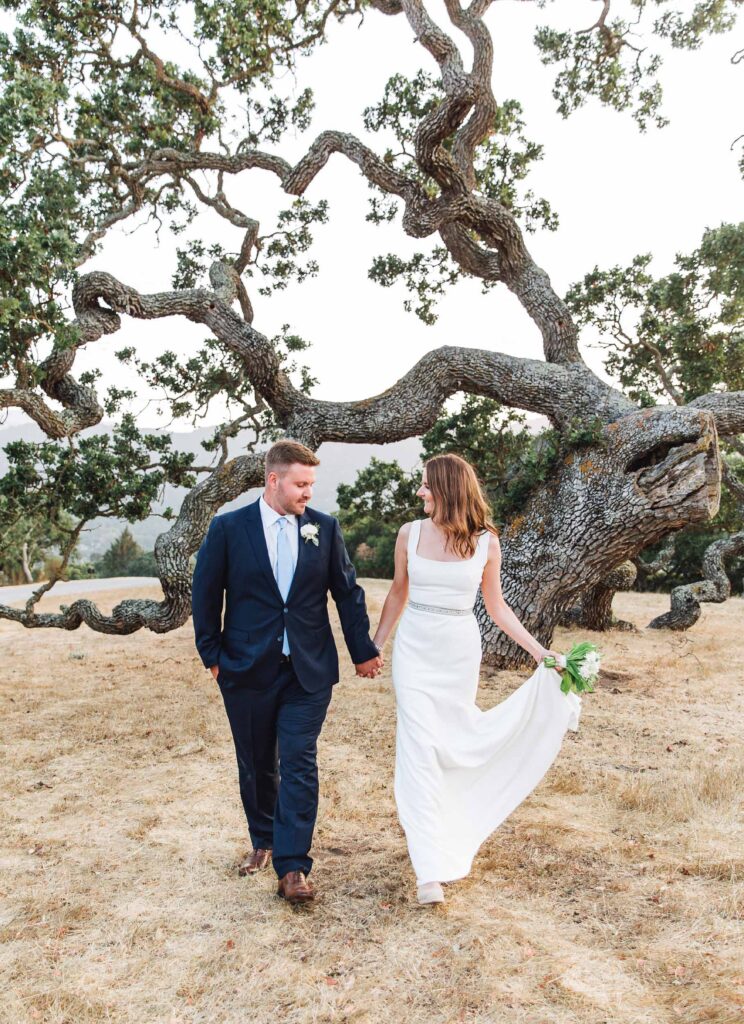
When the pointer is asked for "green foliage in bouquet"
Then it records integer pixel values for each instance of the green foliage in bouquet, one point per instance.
(582, 668)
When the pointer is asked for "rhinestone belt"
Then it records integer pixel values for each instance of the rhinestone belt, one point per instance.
(439, 611)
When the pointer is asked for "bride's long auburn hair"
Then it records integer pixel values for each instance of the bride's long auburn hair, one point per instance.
(461, 509)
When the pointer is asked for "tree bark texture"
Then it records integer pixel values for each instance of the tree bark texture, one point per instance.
(594, 607)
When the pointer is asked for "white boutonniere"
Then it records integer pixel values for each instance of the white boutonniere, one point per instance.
(310, 531)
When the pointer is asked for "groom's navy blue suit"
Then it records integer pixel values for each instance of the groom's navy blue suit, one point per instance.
(276, 707)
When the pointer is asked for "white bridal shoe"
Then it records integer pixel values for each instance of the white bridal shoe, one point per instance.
(430, 892)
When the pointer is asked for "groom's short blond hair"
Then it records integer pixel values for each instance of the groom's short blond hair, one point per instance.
(283, 454)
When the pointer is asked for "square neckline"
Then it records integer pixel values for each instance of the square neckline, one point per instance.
(441, 561)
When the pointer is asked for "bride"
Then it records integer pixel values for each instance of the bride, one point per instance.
(459, 771)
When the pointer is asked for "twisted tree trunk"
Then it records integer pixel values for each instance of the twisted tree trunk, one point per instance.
(594, 608)
(653, 471)
(27, 574)
(715, 586)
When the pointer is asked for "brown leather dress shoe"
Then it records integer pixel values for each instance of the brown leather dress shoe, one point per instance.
(295, 888)
(255, 861)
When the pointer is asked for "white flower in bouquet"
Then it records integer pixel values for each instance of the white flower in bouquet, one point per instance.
(589, 667)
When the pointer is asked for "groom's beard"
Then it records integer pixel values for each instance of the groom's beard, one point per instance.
(293, 507)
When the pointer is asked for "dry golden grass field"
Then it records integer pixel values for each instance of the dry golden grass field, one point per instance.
(613, 895)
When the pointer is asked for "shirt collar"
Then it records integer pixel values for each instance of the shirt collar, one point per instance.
(269, 515)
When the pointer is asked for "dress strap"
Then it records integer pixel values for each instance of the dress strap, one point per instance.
(483, 542)
(413, 536)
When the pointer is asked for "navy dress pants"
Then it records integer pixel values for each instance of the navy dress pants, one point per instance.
(276, 731)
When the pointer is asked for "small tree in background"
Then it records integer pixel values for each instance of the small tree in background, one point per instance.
(143, 565)
(118, 559)
(372, 510)
(27, 544)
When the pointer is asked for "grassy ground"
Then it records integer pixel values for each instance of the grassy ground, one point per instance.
(613, 895)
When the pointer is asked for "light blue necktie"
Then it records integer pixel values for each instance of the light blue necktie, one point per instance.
(284, 567)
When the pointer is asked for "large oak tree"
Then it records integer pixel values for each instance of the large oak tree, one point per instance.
(100, 125)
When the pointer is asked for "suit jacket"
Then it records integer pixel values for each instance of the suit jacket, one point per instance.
(233, 564)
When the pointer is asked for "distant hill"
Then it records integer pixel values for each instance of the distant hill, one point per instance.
(339, 463)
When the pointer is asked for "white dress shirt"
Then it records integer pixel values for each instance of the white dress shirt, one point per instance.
(269, 517)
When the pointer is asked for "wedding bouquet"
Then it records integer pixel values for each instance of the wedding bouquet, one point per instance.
(581, 667)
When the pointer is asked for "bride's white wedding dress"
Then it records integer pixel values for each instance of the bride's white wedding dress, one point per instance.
(460, 771)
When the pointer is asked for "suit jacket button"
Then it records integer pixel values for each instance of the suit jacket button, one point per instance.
(279, 639)
(286, 610)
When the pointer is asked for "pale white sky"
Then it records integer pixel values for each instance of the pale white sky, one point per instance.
(617, 192)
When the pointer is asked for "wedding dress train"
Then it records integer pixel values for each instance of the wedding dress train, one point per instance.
(460, 771)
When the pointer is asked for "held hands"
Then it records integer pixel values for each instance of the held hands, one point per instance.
(369, 669)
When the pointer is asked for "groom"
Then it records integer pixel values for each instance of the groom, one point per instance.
(274, 656)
